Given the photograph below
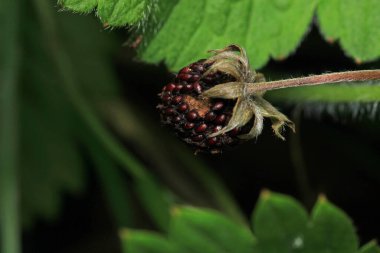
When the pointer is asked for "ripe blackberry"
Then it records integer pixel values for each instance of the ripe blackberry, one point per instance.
(218, 102)
(195, 118)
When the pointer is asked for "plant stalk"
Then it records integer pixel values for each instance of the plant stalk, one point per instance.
(338, 77)
(10, 63)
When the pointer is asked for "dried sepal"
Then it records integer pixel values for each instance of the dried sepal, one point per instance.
(231, 90)
(230, 49)
(241, 115)
(248, 106)
(226, 67)
(279, 120)
(224, 55)
(258, 124)
(227, 56)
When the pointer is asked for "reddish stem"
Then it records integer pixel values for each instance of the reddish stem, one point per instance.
(349, 76)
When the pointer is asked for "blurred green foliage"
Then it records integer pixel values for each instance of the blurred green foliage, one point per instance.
(279, 223)
(265, 28)
(64, 115)
(51, 114)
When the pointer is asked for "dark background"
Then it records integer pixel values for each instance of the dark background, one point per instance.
(332, 153)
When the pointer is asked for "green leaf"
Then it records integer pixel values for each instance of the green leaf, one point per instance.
(264, 28)
(112, 12)
(207, 231)
(331, 230)
(279, 223)
(121, 12)
(370, 247)
(355, 24)
(79, 5)
(267, 29)
(329, 19)
(146, 242)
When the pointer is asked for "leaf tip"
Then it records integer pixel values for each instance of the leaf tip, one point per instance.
(322, 198)
(358, 61)
(330, 40)
(175, 211)
(124, 233)
(265, 194)
(374, 242)
(280, 58)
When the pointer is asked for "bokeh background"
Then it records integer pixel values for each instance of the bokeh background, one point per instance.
(91, 155)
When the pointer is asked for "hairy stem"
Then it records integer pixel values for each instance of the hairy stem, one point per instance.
(348, 76)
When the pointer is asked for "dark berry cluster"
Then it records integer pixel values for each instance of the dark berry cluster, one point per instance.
(194, 118)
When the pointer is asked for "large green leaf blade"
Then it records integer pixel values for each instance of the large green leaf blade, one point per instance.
(329, 19)
(279, 223)
(264, 28)
(206, 231)
(178, 25)
(355, 24)
(277, 28)
(79, 5)
(331, 231)
(121, 12)
(112, 12)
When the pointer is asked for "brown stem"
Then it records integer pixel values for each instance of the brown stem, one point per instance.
(348, 76)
